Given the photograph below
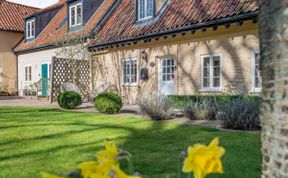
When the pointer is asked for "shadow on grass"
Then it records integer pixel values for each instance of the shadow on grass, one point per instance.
(155, 145)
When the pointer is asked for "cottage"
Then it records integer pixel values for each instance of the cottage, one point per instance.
(172, 47)
(11, 33)
(46, 30)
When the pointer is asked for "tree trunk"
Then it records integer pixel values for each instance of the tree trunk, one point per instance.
(273, 20)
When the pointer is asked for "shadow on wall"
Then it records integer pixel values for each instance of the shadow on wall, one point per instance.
(236, 68)
(236, 50)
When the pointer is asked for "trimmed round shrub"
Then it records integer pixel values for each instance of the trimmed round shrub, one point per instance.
(157, 108)
(108, 103)
(69, 100)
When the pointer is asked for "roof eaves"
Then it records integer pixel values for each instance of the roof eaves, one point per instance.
(195, 26)
(35, 48)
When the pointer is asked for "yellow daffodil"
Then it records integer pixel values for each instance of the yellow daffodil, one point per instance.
(203, 160)
(108, 155)
(106, 159)
(121, 174)
(88, 168)
(46, 175)
(97, 175)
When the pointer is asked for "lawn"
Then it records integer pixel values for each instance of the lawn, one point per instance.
(34, 140)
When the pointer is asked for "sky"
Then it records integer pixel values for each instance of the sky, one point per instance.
(36, 3)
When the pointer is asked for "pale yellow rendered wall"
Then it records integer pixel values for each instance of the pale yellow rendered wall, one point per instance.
(236, 45)
(8, 60)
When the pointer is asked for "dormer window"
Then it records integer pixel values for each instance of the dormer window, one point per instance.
(75, 14)
(30, 29)
(145, 9)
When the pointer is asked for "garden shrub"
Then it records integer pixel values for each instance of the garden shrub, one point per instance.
(108, 103)
(157, 108)
(69, 100)
(181, 102)
(206, 110)
(241, 113)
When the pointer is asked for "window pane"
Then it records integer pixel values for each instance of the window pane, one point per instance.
(169, 77)
(206, 82)
(216, 71)
(169, 70)
(33, 28)
(130, 71)
(164, 63)
(206, 62)
(216, 82)
(30, 73)
(164, 77)
(258, 77)
(26, 73)
(28, 29)
(73, 16)
(216, 61)
(149, 8)
(206, 72)
(79, 14)
(168, 62)
(141, 9)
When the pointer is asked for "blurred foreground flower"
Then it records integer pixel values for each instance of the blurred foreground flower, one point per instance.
(203, 160)
(107, 164)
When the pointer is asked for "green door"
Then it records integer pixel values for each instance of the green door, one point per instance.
(44, 79)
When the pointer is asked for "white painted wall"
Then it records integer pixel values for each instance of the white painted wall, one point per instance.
(35, 59)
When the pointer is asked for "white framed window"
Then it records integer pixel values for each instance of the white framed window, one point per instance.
(28, 73)
(211, 72)
(145, 9)
(130, 71)
(168, 68)
(256, 72)
(75, 15)
(30, 29)
(1, 74)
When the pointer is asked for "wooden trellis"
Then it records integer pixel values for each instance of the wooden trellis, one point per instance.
(69, 70)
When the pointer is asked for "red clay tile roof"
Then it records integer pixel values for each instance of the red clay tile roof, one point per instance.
(12, 15)
(54, 32)
(178, 13)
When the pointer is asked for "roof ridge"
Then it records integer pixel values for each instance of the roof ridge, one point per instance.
(49, 8)
(4, 1)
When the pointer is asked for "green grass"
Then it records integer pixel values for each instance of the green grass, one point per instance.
(34, 140)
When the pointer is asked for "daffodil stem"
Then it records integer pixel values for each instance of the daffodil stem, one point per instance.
(131, 167)
(180, 167)
(190, 176)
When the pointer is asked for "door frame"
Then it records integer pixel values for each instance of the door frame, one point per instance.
(48, 73)
(160, 72)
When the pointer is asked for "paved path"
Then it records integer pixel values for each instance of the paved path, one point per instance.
(25, 101)
(88, 107)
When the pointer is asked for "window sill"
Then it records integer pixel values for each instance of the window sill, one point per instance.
(29, 40)
(146, 21)
(256, 90)
(211, 90)
(130, 85)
